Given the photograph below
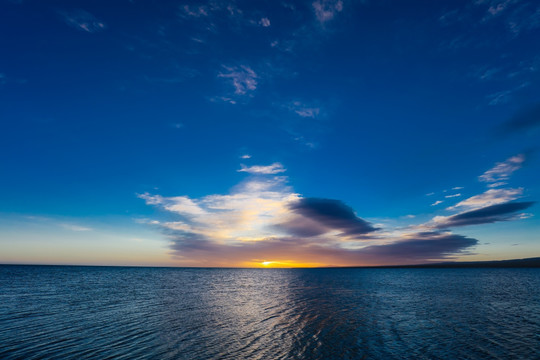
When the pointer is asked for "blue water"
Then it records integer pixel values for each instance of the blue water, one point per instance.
(49, 312)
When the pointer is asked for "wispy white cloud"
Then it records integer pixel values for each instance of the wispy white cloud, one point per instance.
(304, 110)
(452, 196)
(245, 156)
(74, 227)
(243, 78)
(196, 11)
(457, 188)
(488, 198)
(264, 22)
(274, 168)
(497, 184)
(437, 203)
(502, 170)
(496, 8)
(502, 97)
(326, 10)
(178, 204)
(82, 20)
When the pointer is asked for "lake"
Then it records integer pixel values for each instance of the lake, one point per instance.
(71, 312)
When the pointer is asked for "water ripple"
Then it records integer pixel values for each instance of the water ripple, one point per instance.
(147, 313)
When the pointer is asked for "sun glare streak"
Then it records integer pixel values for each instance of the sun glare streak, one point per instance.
(283, 264)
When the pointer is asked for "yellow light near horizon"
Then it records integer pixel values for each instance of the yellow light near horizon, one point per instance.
(282, 264)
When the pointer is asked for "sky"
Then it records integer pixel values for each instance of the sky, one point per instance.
(269, 133)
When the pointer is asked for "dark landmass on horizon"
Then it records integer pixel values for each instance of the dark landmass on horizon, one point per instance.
(513, 263)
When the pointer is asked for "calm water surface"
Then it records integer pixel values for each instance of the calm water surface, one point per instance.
(49, 312)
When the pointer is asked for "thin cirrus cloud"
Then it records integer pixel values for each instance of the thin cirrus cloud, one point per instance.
(496, 177)
(274, 168)
(214, 15)
(304, 110)
(493, 205)
(82, 20)
(243, 78)
(501, 171)
(326, 10)
(488, 198)
(73, 227)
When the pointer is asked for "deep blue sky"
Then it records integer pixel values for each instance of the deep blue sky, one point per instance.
(111, 110)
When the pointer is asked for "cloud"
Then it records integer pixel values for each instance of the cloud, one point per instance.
(497, 184)
(215, 15)
(452, 196)
(502, 170)
(83, 20)
(303, 110)
(243, 78)
(417, 248)
(262, 219)
(325, 10)
(179, 204)
(245, 156)
(437, 203)
(73, 227)
(332, 214)
(274, 168)
(421, 247)
(488, 198)
(485, 215)
(498, 7)
(524, 120)
(249, 212)
(457, 188)
(196, 11)
(502, 97)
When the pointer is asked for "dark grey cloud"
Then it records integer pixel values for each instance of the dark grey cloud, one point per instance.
(486, 215)
(333, 214)
(303, 227)
(421, 247)
(524, 120)
(415, 249)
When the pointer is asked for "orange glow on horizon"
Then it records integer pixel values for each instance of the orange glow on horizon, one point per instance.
(282, 264)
